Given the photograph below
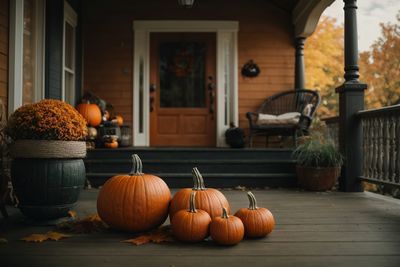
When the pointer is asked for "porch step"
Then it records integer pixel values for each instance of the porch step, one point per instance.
(221, 167)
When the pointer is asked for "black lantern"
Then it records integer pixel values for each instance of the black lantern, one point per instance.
(186, 3)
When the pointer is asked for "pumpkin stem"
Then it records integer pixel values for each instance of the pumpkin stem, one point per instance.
(224, 213)
(252, 200)
(137, 166)
(198, 181)
(192, 202)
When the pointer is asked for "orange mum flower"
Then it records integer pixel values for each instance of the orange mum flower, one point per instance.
(48, 119)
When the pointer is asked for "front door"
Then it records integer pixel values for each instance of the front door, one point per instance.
(182, 90)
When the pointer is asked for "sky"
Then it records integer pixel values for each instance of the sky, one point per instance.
(369, 14)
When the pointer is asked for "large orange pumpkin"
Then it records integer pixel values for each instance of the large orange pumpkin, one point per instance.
(134, 202)
(91, 113)
(258, 222)
(191, 225)
(208, 199)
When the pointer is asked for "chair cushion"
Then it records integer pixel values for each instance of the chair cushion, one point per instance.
(307, 110)
(290, 118)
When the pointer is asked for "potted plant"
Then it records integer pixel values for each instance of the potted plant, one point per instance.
(47, 170)
(318, 163)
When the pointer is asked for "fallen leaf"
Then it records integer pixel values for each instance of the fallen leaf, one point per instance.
(72, 214)
(159, 235)
(143, 239)
(56, 235)
(37, 238)
(90, 224)
(3, 240)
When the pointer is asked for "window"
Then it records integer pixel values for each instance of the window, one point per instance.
(69, 77)
(27, 21)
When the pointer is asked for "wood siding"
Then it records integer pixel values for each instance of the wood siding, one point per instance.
(4, 29)
(265, 35)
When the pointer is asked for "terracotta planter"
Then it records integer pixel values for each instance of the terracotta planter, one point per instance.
(317, 179)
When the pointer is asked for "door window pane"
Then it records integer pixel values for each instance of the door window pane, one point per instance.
(69, 46)
(28, 95)
(182, 74)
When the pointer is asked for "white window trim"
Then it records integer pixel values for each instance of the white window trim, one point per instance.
(226, 32)
(71, 18)
(16, 52)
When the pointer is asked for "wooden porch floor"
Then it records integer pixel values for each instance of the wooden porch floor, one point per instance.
(313, 229)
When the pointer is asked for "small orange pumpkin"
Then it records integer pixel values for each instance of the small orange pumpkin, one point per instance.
(134, 202)
(119, 120)
(191, 225)
(226, 229)
(111, 144)
(258, 222)
(208, 199)
(91, 113)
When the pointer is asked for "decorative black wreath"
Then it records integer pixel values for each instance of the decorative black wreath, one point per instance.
(250, 69)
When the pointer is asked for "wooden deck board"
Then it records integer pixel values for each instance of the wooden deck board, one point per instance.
(313, 229)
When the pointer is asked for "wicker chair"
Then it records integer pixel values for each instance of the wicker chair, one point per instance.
(285, 102)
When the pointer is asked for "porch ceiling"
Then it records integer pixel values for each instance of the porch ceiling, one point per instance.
(287, 5)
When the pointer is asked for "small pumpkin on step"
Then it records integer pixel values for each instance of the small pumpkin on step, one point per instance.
(258, 222)
(91, 113)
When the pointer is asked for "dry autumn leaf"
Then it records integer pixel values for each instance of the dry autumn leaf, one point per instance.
(143, 239)
(160, 235)
(56, 235)
(38, 238)
(90, 224)
(72, 214)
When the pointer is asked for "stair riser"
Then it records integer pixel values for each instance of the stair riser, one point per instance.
(226, 154)
(220, 167)
(219, 183)
(187, 167)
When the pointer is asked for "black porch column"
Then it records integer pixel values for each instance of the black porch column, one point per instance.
(299, 72)
(351, 100)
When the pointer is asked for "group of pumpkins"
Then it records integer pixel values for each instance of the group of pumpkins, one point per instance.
(93, 116)
(139, 202)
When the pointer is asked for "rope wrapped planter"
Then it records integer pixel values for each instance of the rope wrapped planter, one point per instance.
(55, 149)
(47, 176)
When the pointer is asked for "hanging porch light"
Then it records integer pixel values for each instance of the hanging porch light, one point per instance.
(186, 3)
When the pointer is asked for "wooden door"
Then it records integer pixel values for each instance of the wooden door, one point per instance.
(182, 91)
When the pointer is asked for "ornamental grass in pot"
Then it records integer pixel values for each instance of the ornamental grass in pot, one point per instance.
(318, 163)
(47, 148)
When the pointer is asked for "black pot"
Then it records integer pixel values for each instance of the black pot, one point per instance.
(47, 188)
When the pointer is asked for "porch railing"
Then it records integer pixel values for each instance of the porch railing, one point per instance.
(381, 144)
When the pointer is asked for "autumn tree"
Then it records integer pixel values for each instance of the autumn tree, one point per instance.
(324, 63)
(380, 67)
